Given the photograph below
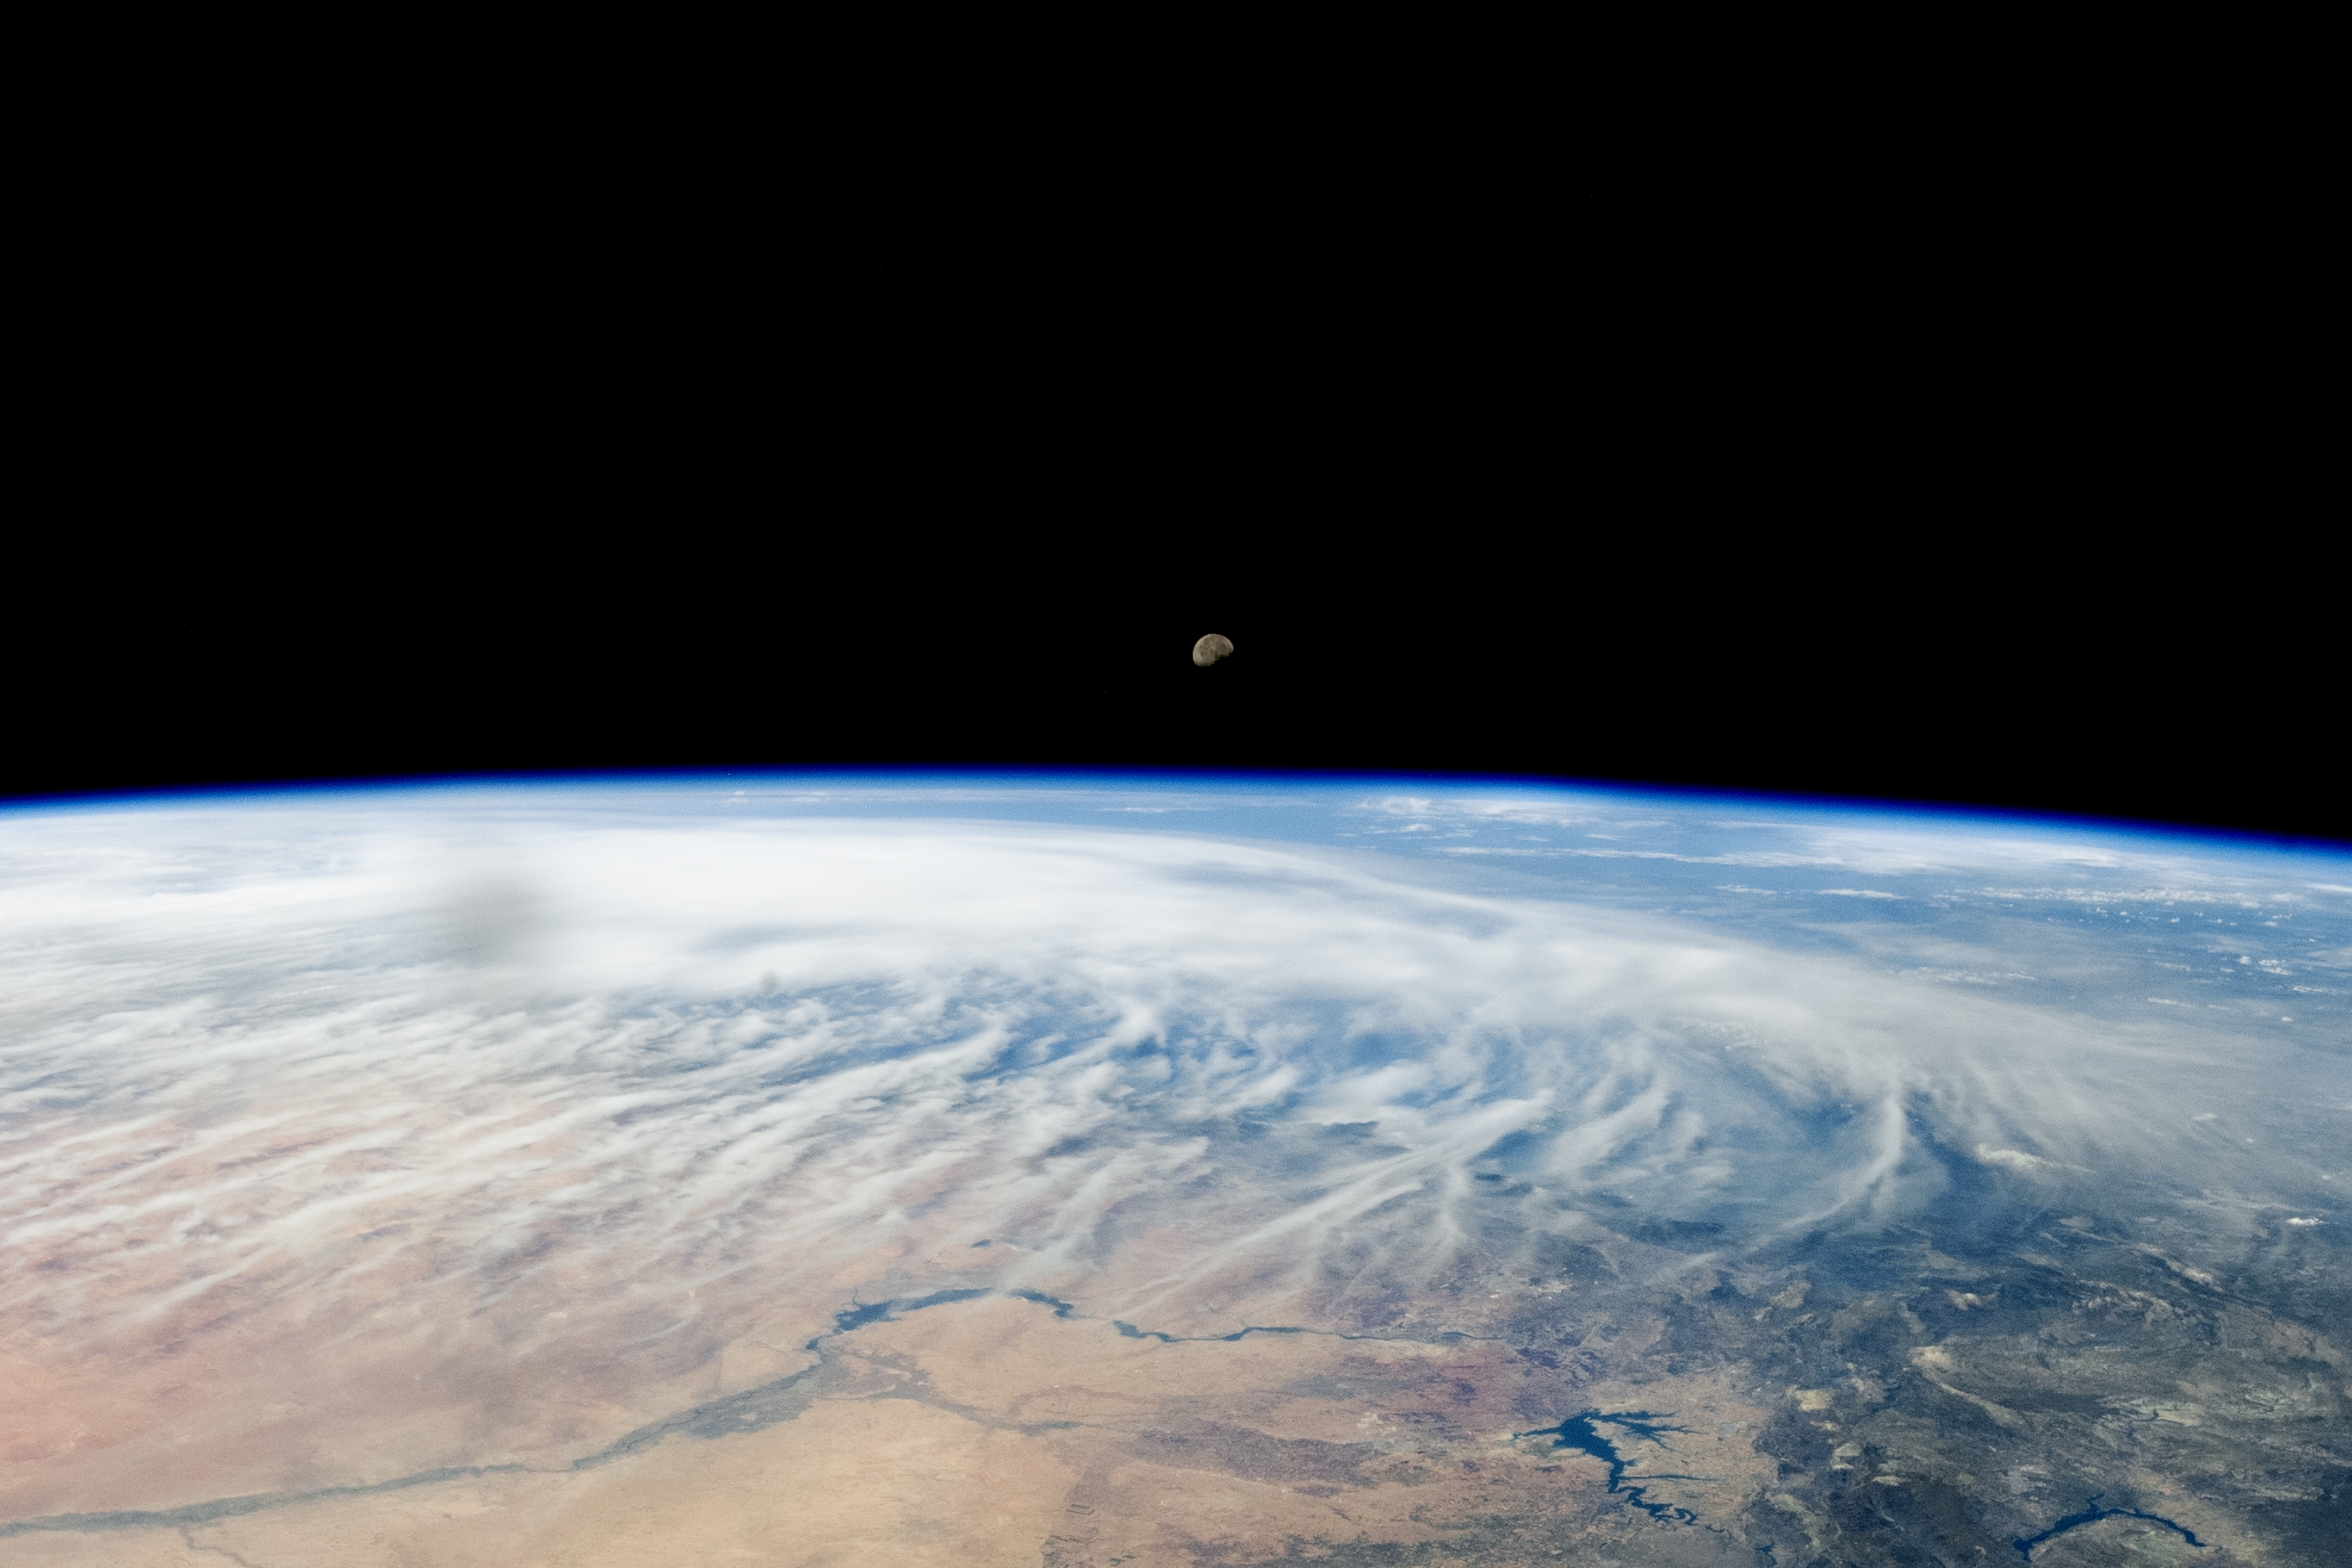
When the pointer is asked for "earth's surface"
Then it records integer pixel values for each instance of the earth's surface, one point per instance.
(1063, 1171)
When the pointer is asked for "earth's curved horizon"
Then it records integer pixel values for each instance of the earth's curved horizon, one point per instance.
(1071, 1168)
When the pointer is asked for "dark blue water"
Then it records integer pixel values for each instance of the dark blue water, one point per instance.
(881, 1312)
(858, 1318)
(2092, 1515)
(1578, 1432)
(1129, 1331)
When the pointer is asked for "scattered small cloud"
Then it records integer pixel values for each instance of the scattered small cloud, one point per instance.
(1969, 976)
(1857, 893)
(1478, 849)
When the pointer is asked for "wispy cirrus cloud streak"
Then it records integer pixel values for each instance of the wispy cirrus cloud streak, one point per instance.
(367, 1051)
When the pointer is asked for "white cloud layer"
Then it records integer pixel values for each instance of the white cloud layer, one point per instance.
(251, 1055)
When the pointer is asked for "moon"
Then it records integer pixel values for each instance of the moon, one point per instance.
(1211, 648)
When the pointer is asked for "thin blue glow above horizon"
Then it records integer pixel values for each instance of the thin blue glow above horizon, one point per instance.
(827, 790)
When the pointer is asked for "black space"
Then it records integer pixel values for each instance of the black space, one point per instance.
(1465, 651)
(1666, 487)
(1929, 565)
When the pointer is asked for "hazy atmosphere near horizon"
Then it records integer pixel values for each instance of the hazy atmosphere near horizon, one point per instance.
(1071, 1170)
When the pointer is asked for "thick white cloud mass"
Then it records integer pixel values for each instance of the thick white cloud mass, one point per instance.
(370, 1053)
(468, 1156)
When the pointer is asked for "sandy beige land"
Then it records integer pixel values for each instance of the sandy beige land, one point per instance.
(993, 1431)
